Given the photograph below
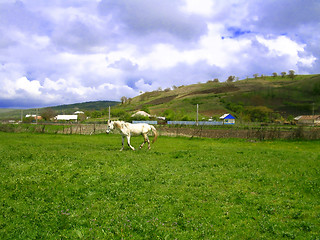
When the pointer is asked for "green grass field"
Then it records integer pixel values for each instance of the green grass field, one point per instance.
(83, 187)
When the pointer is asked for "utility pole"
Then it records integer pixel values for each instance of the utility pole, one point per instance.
(312, 109)
(36, 115)
(197, 114)
(109, 113)
(21, 115)
(313, 114)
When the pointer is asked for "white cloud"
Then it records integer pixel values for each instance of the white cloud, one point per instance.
(202, 7)
(69, 51)
(145, 87)
(20, 87)
(30, 87)
(283, 45)
(161, 56)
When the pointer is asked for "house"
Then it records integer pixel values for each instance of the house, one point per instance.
(78, 112)
(141, 113)
(66, 118)
(228, 119)
(308, 120)
(33, 116)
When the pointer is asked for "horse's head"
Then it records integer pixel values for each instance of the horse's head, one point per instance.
(110, 126)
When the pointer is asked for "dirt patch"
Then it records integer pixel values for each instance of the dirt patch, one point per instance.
(147, 95)
(162, 100)
(210, 113)
(217, 90)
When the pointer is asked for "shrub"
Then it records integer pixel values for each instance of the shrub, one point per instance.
(259, 113)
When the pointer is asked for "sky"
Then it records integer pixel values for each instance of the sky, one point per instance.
(70, 51)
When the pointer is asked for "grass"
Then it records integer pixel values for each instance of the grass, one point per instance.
(83, 187)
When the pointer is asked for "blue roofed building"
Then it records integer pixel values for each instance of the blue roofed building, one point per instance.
(228, 119)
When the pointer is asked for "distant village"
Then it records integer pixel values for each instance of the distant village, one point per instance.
(308, 120)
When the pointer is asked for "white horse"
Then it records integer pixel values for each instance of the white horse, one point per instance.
(128, 129)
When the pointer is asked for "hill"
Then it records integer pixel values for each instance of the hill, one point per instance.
(86, 106)
(61, 109)
(255, 99)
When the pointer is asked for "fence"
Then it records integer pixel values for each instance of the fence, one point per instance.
(183, 122)
(148, 122)
(253, 133)
(194, 123)
(261, 133)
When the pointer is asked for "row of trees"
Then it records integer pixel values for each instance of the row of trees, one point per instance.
(291, 74)
(231, 78)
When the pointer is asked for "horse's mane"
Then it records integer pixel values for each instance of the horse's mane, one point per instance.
(119, 124)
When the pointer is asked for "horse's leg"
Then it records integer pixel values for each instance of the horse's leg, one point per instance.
(122, 143)
(145, 140)
(128, 138)
(148, 142)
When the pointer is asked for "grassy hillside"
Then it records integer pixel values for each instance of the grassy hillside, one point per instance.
(255, 99)
(62, 109)
(277, 96)
(8, 114)
(86, 106)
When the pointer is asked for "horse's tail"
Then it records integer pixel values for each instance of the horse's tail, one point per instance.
(154, 130)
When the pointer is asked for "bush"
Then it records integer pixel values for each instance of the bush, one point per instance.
(145, 108)
(139, 118)
(259, 113)
(7, 128)
(120, 113)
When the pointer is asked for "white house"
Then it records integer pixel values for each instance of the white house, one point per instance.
(78, 112)
(34, 116)
(308, 119)
(66, 117)
(142, 113)
(228, 119)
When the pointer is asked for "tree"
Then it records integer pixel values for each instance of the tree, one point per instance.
(216, 80)
(48, 113)
(255, 75)
(231, 78)
(283, 74)
(259, 113)
(82, 117)
(275, 74)
(145, 108)
(96, 114)
(291, 74)
(28, 119)
(124, 100)
(120, 113)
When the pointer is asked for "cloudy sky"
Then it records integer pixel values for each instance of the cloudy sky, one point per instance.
(69, 51)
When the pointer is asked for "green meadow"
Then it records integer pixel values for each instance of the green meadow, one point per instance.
(82, 187)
